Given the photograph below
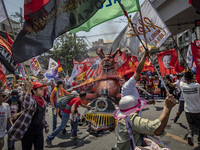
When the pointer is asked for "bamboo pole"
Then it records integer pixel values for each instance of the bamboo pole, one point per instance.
(129, 20)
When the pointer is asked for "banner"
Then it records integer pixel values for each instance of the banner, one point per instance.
(34, 66)
(45, 20)
(156, 31)
(196, 55)
(2, 11)
(156, 90)
(190, 59)
(164, 59)
(53, 65)
(21, 68)
(2, 75)
(6, 56)
(52, 74)
(109, 10)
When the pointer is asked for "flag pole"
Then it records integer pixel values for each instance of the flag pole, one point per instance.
(129, 20)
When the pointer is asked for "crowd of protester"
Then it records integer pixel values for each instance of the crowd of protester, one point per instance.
(23, 108)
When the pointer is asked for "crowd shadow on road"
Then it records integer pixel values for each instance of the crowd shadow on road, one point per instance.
(158, 108)
(73, 143)
(181, 125)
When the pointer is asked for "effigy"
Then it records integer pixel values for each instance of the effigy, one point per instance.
(107, 94)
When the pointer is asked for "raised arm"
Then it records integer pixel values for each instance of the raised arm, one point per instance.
(140, 67)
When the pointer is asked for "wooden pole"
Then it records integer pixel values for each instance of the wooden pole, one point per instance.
(129, 20)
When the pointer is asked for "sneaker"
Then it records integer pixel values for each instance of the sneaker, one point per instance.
(49, 144)
(175, 119)
(73, 136)
(190, 140)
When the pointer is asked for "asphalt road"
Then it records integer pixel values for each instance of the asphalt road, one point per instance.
(175, 137)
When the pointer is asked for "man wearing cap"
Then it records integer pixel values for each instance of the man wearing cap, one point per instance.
(72, 106)
(30, 125)
(191, 95)
(128, 108)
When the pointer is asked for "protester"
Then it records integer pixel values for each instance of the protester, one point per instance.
(72, 107)
(74, 83)
(162, 88)
(68, 82)
(179, 96)
(128, 108)
(4, 117)
(150, 86)
(191, 95)
(57, 92)
(170, 88)
(31, 132)
(8, 89)
(143, 83)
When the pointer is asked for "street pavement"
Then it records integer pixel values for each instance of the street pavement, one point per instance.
(175, 138)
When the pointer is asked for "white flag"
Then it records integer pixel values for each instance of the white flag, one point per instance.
(34, 66)
(2, 12)
(52, 64)
(75, 73)
(156, 31)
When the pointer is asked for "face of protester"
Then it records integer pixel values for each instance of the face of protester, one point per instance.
(39, 91)
(166, 61)
(60, 86)
(2, 97)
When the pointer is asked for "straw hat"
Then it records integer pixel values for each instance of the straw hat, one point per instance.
(128, 105)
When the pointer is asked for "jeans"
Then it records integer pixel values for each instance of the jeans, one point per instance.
(54, 118)
(74, 126)
(10, 142)
(65, 118)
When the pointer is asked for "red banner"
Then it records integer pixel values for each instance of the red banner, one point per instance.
(196, 55)
(156, 90)
(164, 59)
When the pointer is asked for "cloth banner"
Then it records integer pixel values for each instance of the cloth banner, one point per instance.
(6, 56)
(156, 31)
(196, 55)
(45, 20)
(53, 65)
(52, 74)
(109, 10)
(2, 75)
(2, 11)
(21, 68)
(156, 90)
(164, 59)
(34, 66)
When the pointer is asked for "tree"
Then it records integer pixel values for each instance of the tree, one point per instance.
(69, 46)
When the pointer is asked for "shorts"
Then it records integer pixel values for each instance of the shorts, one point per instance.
(193, 118)
(181, 106)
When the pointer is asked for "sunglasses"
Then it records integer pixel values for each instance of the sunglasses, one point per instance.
(3, 96)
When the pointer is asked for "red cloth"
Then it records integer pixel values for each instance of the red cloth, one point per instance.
(2, 75)
(76, 101)
(39, 100)
(166, 58)
(196, 55)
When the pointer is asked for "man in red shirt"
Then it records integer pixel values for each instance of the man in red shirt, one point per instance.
(150, 86)
(70, 108)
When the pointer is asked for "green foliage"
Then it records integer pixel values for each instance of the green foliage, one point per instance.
(69, 46)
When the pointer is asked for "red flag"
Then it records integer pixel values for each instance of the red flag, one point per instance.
(196, 55)
(59, 66)
(148, 66)
(2, 75)
(10, 40)
(174, 62)
(164, 59)
(129, 64)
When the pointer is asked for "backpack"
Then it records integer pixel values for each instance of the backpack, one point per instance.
(62, 101)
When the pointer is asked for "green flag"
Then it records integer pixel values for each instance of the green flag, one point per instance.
(109, 10)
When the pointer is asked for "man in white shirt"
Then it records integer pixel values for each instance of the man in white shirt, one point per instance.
(4, 117)
(191, 95)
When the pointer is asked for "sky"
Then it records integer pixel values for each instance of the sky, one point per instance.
(107, 31)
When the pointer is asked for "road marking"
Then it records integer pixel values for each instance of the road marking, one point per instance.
(179, 139)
